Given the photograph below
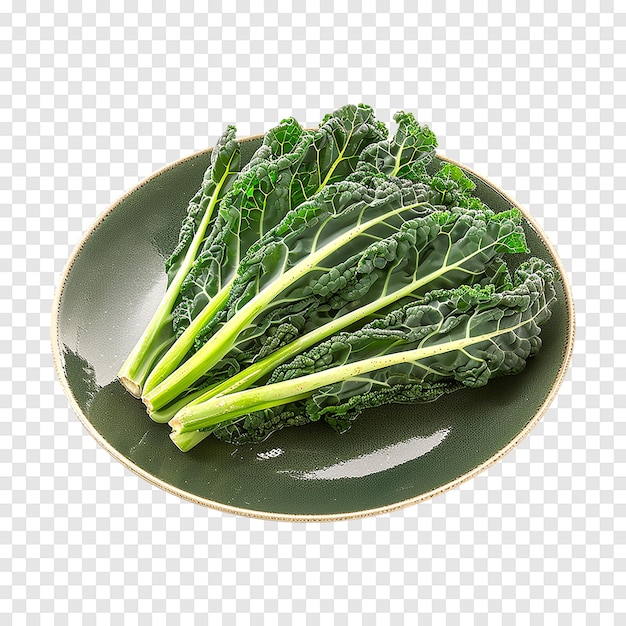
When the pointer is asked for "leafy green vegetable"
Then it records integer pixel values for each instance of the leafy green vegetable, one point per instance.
(256, 202)
(272, 355)
(337, 223)
(284, 172)
(336, 149)
(442, 249)
(466, 336)
(337, 271)
(158, 335)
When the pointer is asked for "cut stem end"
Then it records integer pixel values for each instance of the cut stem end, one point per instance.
(131, 386)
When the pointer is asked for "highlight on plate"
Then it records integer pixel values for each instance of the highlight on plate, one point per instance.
(334, 272)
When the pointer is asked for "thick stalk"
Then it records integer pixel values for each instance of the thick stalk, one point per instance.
(166, 413)
(176, 353)
(139, 363)
(224, 408)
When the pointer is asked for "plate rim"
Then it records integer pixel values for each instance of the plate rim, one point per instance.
(290, 517)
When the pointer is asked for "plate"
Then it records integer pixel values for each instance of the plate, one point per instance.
(392, 457)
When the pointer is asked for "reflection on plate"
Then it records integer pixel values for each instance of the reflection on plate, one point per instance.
(376, 461)
(392, 457)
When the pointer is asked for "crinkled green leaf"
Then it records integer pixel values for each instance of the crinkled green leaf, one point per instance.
(464, 336)
(219, 176)
(334, 225)
(410, 145)
(290, 167)
(442, 249)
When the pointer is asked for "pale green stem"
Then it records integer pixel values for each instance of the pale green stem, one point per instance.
(217, 410)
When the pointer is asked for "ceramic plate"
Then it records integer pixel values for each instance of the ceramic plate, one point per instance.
(392, 457)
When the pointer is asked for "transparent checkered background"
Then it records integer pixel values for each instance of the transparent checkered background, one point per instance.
(92, 102)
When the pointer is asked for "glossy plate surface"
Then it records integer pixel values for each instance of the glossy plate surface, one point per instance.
(392, 457)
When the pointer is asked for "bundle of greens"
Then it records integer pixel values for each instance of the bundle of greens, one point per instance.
(331, 274)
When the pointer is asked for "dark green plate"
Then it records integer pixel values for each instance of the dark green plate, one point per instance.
(392, 457)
